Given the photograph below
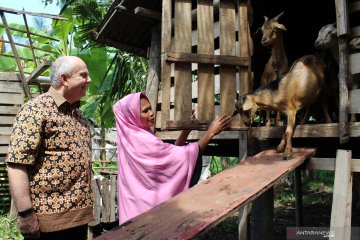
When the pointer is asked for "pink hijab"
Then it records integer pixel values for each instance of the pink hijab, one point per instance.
(150, 171)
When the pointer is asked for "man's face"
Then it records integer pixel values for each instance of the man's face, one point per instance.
(78, 82)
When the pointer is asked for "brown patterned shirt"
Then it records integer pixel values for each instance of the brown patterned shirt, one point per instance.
(52, 138)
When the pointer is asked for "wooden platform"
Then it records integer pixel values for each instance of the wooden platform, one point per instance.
(208, 203)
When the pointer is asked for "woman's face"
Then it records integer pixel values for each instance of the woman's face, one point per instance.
(146, 114)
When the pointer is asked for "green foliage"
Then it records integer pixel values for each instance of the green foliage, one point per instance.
(216, 167)
(8, 229)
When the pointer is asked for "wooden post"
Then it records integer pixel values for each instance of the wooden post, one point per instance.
(153, 73)
(298, 197)
(165, 66)
(262, 212)
(227, 47)
(244, 211)
(206, 86)
(182, 74)
(343, 32)
(341, 206)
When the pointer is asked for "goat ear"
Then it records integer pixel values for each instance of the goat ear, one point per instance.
(280, 26)
(247, 104)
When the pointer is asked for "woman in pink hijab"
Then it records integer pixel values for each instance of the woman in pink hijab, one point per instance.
(151, 171)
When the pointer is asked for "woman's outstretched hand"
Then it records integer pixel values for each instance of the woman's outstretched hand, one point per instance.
(218, 125)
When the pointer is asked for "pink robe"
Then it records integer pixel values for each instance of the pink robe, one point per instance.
(150, 171)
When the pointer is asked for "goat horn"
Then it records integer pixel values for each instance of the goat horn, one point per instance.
(279, 15)
(266, 18)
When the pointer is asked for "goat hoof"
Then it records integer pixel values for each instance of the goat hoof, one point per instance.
(280, 149)
(286, 157)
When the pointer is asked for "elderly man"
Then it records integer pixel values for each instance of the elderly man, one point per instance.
(49, 157)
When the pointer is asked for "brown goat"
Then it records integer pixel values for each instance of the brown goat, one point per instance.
(278, 63)
(289, 93)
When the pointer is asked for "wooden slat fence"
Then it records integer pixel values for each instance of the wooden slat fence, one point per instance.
(11, 98)
(203, 63)
(105, 200)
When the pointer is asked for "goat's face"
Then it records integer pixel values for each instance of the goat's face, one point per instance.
(246, 108)
(327, 37)
(270, 30)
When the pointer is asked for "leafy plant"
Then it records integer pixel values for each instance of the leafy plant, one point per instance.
(8, 229)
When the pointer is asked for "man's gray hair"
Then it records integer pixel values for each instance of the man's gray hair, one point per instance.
(62, 65)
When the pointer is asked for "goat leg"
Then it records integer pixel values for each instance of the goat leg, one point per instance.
(288, 135)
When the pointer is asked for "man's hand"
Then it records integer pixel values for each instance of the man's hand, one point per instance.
(29, 226)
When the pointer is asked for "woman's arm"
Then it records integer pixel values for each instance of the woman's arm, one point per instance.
(180, 141)
(218, 125)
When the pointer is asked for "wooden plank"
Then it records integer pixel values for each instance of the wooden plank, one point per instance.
(182, 78)
(105, 194)
(328, 164)
(7, 120)
(154, 72)
(354, 101)
(7, 76)
(5, 131)
(206, 85)
(52, 16)
(354, 63)
(38, 71)
(10, 87)
(4, 139)
(227, 47)
(9, 110)
(206, 204)
(3, 149)
(244, 51)
(8, 98)
(113, 202)
(341, 205)
(342, 14)
(2, 160)
(244, 48)
(323, 130)
(165, 66)
(147, 13)
(96, 188)
(13, 47)
(180, 57)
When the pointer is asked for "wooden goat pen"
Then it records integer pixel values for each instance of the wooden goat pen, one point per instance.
(180, 63)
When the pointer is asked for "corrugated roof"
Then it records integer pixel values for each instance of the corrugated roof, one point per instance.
(122, 28)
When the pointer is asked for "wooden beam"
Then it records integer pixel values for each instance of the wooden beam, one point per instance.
(206, 59)
(165, 66)
(30, 40)
(38, 71)
(24, 45)
(324, 130)
(328, 164)
(340, 221)
(139, 51)
(32, 33)
(46, 15)
(147, 13)
(354, 63)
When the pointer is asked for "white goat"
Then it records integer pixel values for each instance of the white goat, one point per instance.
(327, 40)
